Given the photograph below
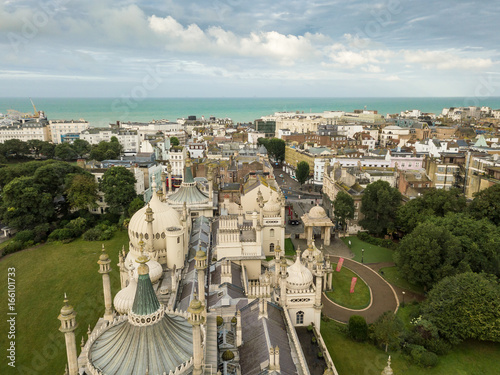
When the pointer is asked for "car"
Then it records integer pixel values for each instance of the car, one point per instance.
(293, 222)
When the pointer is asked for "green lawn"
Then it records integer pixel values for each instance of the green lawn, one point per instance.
(43, 275)
(372, 254)
(352, 358)
(341, 282)
(392, 275)
(289, 248)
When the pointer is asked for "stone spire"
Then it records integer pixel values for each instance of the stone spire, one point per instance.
(196, 318)
(201, 265)
(388, 370)
(149, 220)
(169, 172)
(104, 270)
(68, 326)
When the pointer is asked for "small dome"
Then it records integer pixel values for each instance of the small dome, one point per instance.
(299, 276)
(155, 268)
(317, 212)
(124, 299)
(67, 309)
(272, 206)
(164, 216)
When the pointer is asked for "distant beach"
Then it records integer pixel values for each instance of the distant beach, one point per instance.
(102, 111)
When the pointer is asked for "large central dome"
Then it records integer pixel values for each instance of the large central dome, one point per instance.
(164, 216)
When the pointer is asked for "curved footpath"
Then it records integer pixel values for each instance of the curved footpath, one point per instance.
(383, 295)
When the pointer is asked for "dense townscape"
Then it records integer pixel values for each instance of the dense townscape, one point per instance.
(245, 247)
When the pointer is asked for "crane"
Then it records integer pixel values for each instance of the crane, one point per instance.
(36, 114)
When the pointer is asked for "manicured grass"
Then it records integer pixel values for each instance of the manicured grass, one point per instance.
(289, 248)
(350, 357)
(392, 275)
(43, 275)
(372, 254)
(341, 282)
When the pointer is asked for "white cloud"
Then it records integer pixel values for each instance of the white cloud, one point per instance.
(445, 60)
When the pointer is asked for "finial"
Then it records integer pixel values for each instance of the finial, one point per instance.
(82, 344)
(89, 331)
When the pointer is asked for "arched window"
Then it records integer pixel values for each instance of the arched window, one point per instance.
(178, 240)
(300, 317)
(271, 247)
(271, 233)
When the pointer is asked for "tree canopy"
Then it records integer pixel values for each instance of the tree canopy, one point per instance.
(387, 329)
(486, 204)
(25, 204)
(465, 306)
(433, 202)
(302, 172)
(174, 141)
(118, 186)
(106, 150)
(428, 254)
(379, 205)
(82, 191)
(275, 148)
(343, 208)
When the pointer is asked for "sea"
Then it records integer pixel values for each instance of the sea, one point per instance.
(100, 112)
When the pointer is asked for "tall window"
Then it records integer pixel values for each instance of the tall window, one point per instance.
(271, 233)
(300, 317)
(271, 247)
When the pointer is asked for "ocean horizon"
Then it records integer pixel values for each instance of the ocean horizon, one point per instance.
(100, 112)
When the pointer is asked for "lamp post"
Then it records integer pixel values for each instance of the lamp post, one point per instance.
(362, 255)
(403, 297)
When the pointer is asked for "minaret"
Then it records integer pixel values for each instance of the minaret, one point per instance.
(104, 270)
(149, 220)
(283, 266)
(68, 326)
(164, 183)
(196, 318)
(123, 268)
(317, 298)
(260, 201)
(201, 265)
(277, 257)
(169, 172)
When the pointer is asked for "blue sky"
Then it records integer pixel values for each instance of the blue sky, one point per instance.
(349, 48)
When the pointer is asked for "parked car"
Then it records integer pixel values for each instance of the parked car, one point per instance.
(293, 222)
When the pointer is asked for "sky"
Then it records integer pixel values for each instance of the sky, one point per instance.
(236, 48)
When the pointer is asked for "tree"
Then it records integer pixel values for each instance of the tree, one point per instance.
(276, 149)
(486, 203)
(358, 329)
(82, 191)
(15, 148)
(428, 254)
(106, 150)
(302, 172)
(343, 209)
(64, 151)
(81, 147)
(379, 205)
(174, 141)
(465, 306)
(135, 206)
(25, 205)
(48, 150)
(479, 239)
(52, 177)
(387, 329)
(433, 202)
(118, 186)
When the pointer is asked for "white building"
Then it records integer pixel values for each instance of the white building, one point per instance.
(58, 128)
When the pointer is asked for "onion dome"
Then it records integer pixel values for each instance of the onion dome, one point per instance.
(272, 206)
(189, 191)
(155, 268)
(149, 340)
(299, 276)
(163, 217)
(317, 212)
(124, 299)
